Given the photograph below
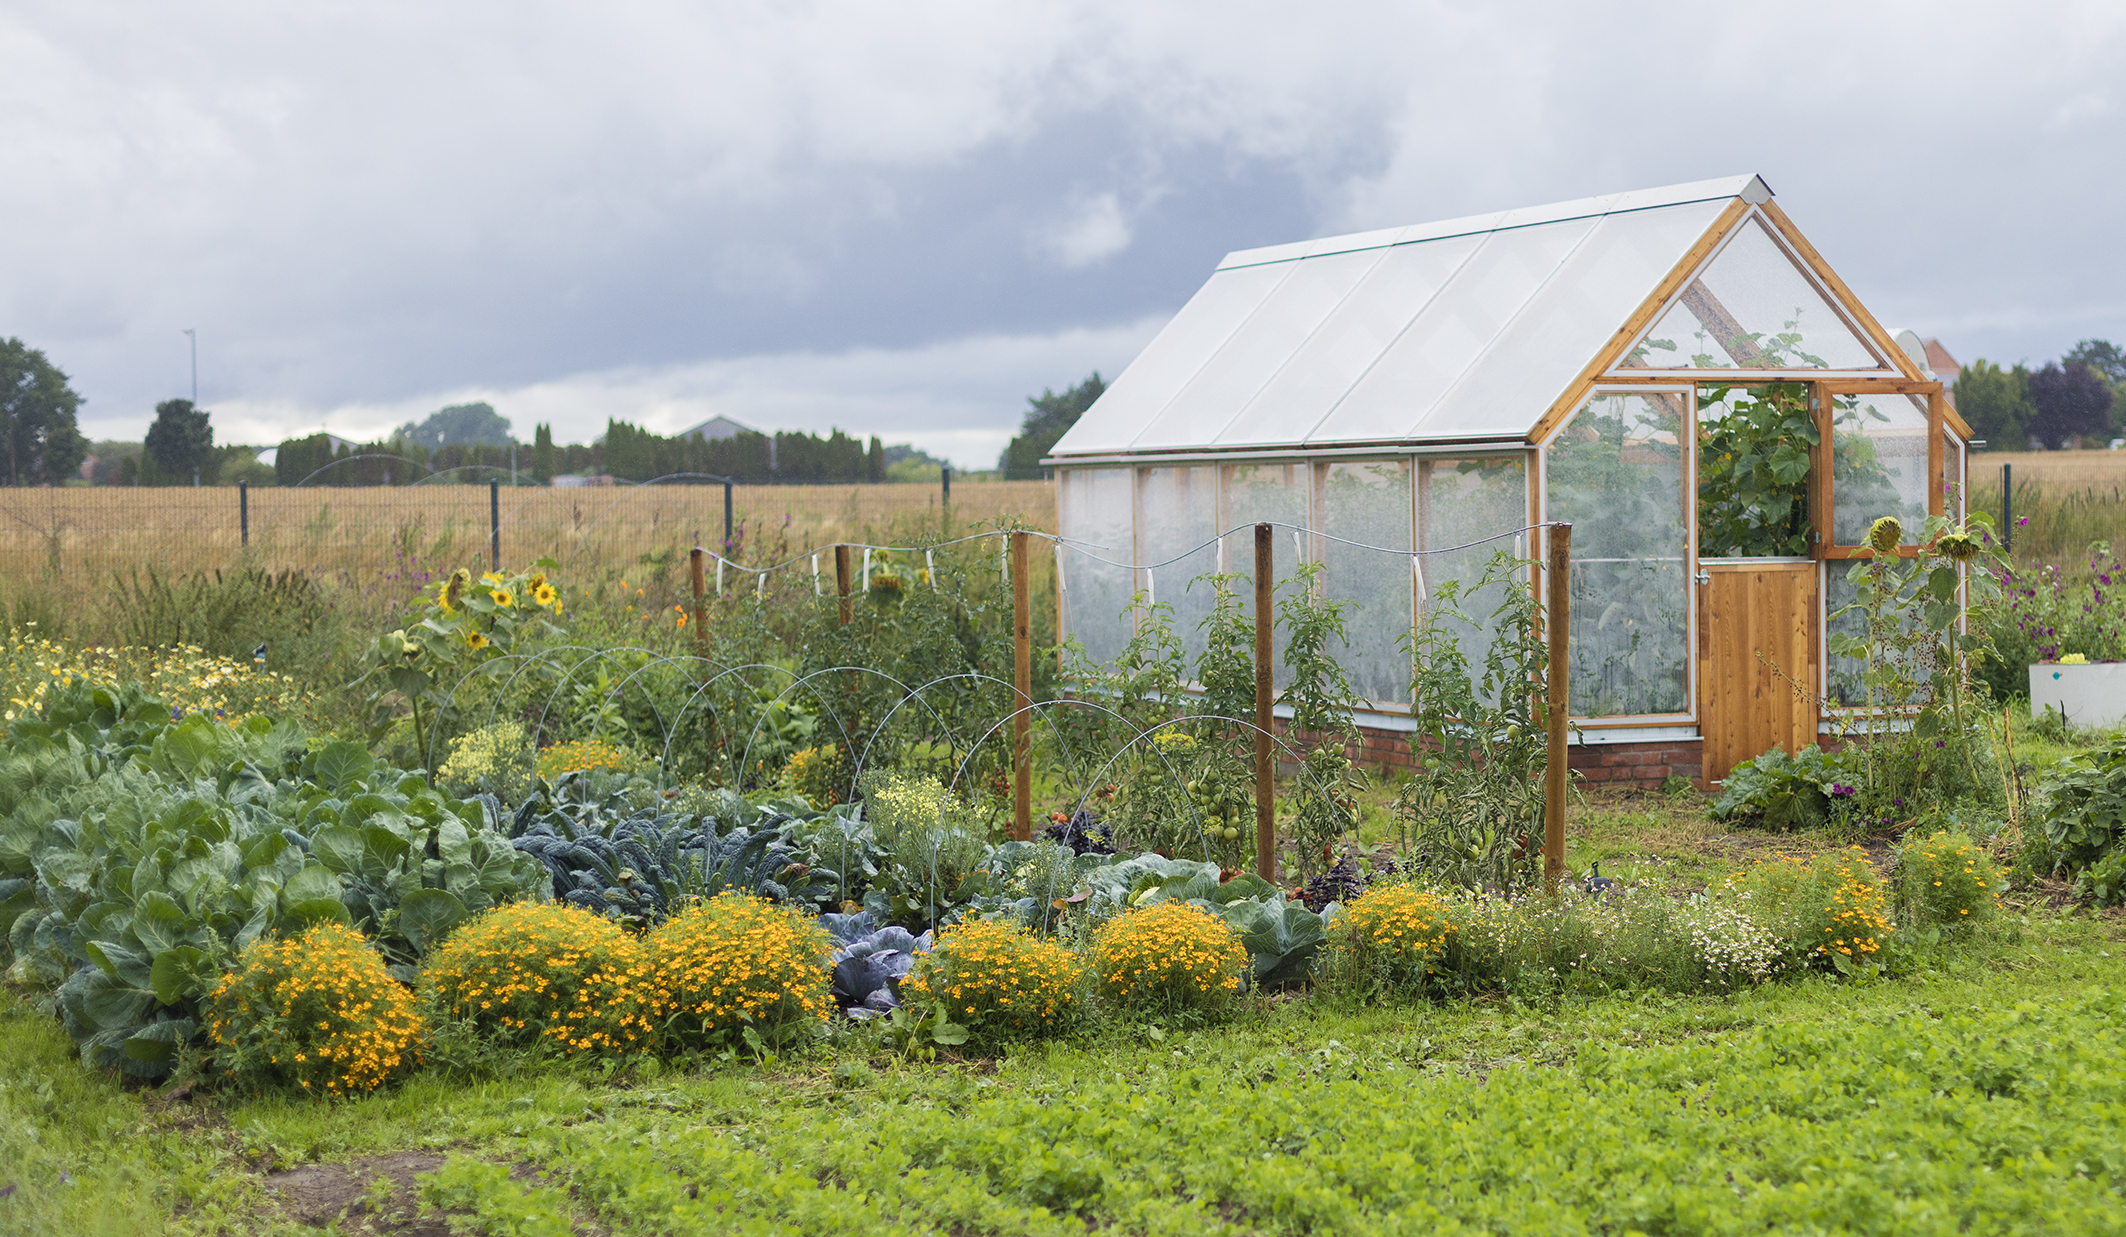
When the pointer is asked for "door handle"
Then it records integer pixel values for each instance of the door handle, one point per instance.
(1704, 576)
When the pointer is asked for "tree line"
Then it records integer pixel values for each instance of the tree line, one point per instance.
(2078, 399)
(41, 444)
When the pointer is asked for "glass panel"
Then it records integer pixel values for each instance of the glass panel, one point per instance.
(1878, 465)
(1178, 508)
(1363, 327)
(1753, 308)
(1256, 492)
(1843, 681)
(1398, 393)
(1616, 473)
(1459, 502)
(1092, 507)
(1753, 470)
(1177, 354)
(1238, 371)
(1571, 318)
(1368, 501)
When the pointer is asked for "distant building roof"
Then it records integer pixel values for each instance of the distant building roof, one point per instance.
(1945, 367)
(717, 428)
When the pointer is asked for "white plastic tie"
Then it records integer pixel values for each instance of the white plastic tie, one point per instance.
(1061, 588)
(1417, 571)
(815, 575)
(1151, 588)
(1004, 557)
(867, 569)
(760, 585)
(719, 575)
(930, 569)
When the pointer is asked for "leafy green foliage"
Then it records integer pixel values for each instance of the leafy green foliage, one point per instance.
(1753, 470)
(1472, 807)
(43, 444)
(2084, 821)
(1904, 626)
(155, 850)
(639, 867)
(1782, 792)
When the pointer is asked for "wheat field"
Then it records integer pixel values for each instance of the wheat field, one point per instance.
(82, 535)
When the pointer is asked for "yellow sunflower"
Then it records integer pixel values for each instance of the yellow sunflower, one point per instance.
(503, 597)
(476, 640)
(544, 594)
(454, 590)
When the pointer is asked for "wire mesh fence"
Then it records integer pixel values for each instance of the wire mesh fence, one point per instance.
(79, 536)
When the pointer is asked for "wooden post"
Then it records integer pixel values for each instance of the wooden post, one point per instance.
(841, 580)
(1557, 623)
(696, 558)
(1022, 683)
(1265, 770)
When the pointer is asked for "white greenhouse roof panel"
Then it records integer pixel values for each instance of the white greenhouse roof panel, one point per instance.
(1465, 328)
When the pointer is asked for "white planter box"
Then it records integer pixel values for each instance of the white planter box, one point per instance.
(2087, 695)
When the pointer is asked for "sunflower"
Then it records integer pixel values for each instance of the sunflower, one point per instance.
(536, 582)
(503, 597)
(454, 589)
(544, 593)
(475, 640)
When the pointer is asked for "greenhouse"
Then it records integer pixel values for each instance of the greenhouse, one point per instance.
(1675, 372)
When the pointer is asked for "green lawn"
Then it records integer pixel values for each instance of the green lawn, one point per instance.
(1983, 1093)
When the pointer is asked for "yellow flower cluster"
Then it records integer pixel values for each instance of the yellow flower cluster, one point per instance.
(996, 979)
(1826, 904)
(819, 774)
(739, 958)
(546, 973)
(584, 755)
(1169, 955)
(189, 678)
(319, 1010)
(1397, 928)
(1947, 878)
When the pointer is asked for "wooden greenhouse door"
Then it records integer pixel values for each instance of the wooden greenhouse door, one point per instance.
(1747, 608)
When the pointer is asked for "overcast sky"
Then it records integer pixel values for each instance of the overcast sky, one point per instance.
(902, 219)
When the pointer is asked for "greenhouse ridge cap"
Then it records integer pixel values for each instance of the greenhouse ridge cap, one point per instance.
(1751, 188)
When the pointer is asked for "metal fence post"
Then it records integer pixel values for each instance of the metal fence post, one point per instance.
(2007, 507)
(727, 517)
(946, 473)
(841, 581)
(243, 510)
(494, 522)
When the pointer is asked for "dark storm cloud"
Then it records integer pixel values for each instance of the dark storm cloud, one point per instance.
(903, 219)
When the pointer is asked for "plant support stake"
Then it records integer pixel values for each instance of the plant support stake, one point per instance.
(494, 522)
(1557, 624)
(1265, 773)
(1022, 684)
(243, 510)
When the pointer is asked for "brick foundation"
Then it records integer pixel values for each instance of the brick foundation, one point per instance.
(1642, 765)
